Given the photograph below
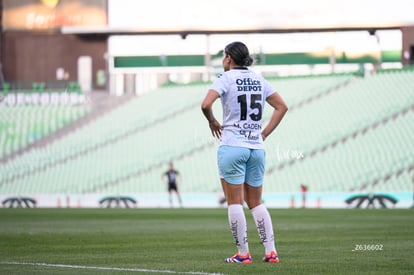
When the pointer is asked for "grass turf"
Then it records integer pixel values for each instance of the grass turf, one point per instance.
(195, 241)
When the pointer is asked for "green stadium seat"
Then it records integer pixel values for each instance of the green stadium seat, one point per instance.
(127, 150)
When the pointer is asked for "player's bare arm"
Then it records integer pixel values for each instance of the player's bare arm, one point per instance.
(280, 109)
(207, 108)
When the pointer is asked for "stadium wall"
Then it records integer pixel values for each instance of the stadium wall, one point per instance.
(35, 57)
(211, 200)
(408, 45)
(265, 59)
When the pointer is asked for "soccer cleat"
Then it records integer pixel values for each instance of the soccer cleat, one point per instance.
(237, 258)
(271, 258)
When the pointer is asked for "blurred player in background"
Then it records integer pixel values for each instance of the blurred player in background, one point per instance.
(241, 155)
(304, 191)
(173, 177)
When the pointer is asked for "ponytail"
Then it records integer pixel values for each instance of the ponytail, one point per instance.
(239, 53)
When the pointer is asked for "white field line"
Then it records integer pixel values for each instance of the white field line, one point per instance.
(109, 268)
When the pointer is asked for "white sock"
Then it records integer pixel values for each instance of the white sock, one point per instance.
(264, 227)
(238, 226)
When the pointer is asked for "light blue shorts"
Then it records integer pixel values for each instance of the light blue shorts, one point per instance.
(238, 165)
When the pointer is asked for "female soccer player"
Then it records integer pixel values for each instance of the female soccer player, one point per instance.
(241, 155)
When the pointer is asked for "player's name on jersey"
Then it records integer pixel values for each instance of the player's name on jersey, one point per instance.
(249, 126)
(248, 85)
(246, 130)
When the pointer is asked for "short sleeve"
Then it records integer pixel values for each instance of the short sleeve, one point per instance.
(220, 84)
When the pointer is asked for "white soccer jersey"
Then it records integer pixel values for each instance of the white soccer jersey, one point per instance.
(243, 95)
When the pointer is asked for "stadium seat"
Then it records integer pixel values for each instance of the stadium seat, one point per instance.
(342, 134)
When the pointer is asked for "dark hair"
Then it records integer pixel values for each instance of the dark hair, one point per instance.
(239, 53)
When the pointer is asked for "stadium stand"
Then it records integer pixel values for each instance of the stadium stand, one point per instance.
(32, 111)
(22, 125)
(342, 133)
(370, 120)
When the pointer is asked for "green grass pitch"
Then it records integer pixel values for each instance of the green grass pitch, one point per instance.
(195, 241)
